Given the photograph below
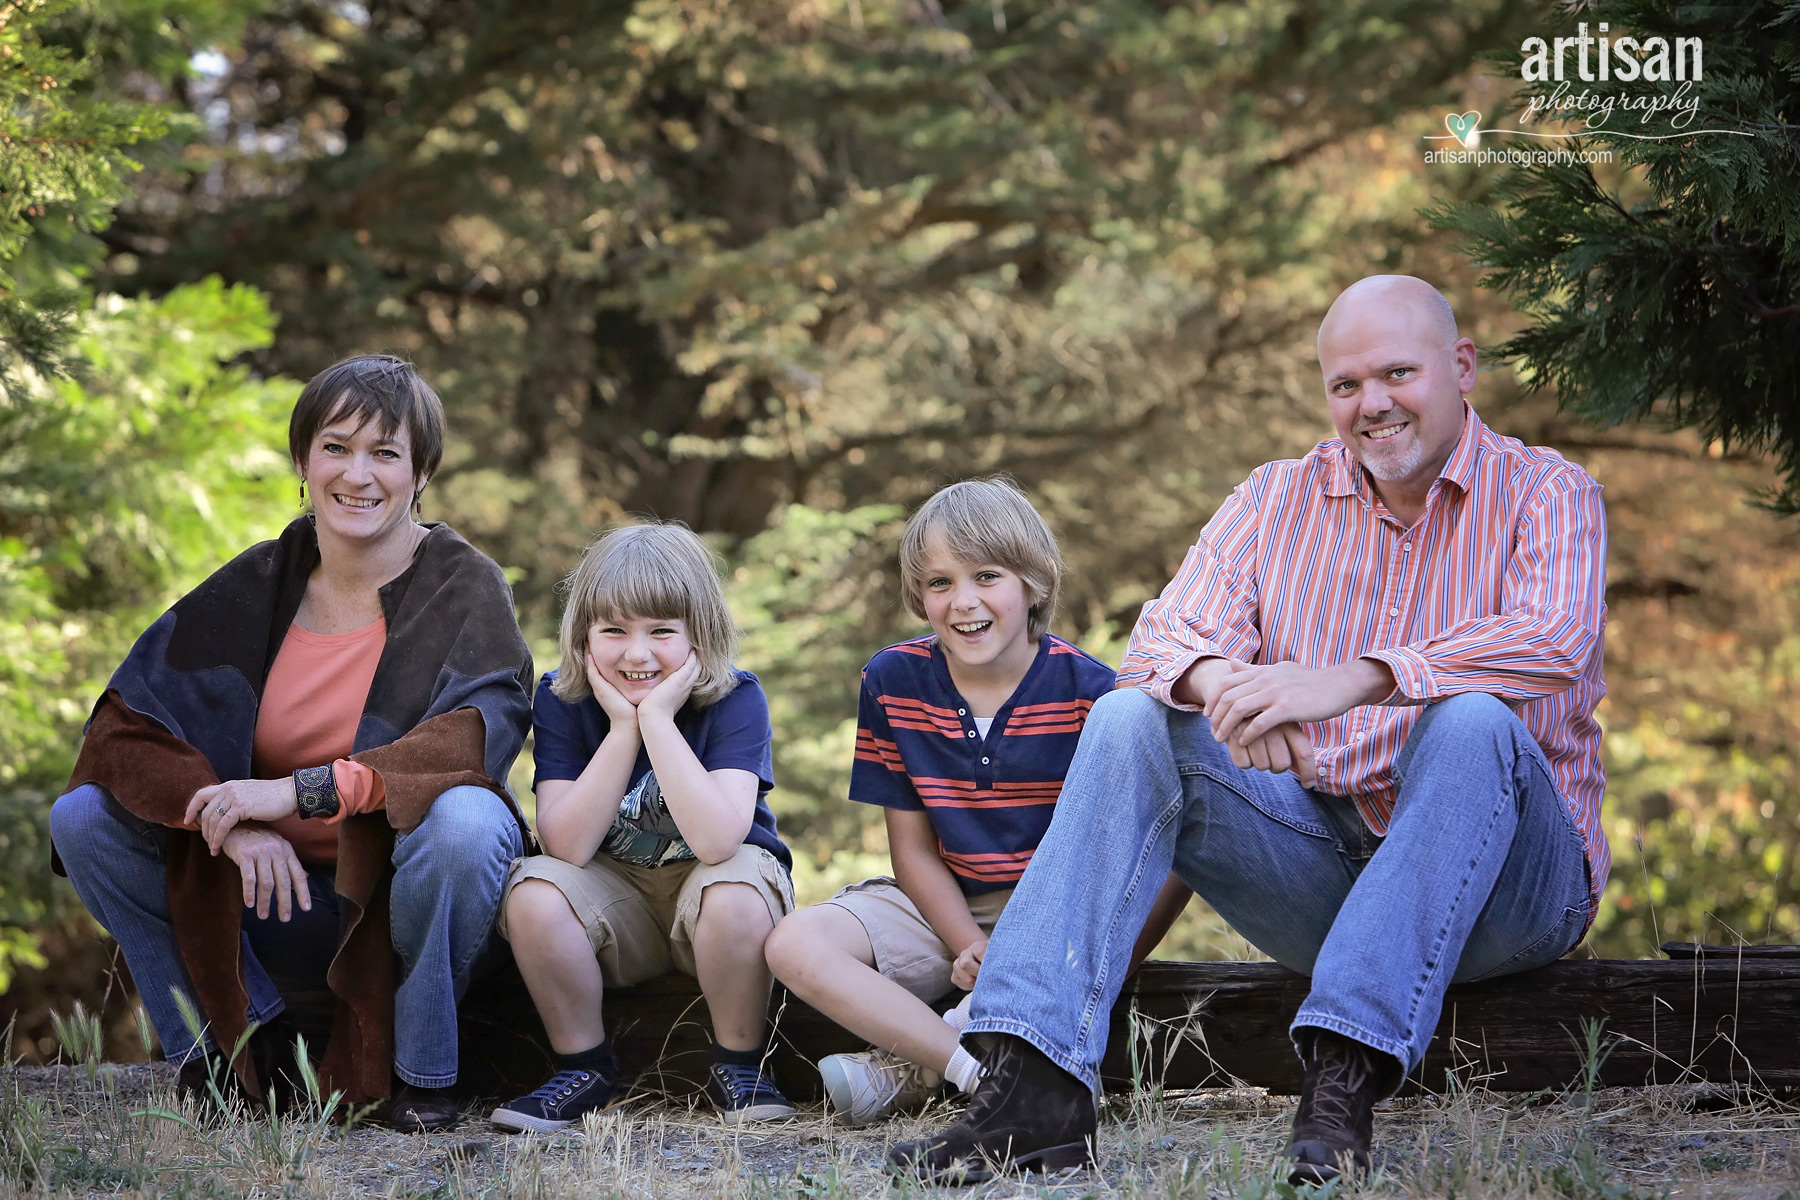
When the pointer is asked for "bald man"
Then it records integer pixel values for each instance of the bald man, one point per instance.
(1362, 727)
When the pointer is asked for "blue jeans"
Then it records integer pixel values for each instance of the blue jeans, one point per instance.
(447, 881)
(1481, 873)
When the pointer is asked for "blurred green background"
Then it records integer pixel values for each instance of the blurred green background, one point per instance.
(779, 270)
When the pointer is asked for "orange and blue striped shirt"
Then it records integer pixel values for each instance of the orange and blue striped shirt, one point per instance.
(1499, 588)
(989, 799)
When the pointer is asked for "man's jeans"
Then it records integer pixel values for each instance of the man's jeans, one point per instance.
(1481, 873)
(448, 875)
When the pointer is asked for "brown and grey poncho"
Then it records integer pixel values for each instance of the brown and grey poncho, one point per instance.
(449, 705)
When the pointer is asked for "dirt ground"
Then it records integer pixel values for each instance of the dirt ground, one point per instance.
(120, 1131)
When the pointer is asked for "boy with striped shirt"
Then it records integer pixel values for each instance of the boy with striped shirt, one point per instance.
(963, 738)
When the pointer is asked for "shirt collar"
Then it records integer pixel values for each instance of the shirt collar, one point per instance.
(1346, 476)
(1460, 470)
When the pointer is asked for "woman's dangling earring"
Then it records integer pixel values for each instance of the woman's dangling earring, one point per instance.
(303, 493)
(419, 503)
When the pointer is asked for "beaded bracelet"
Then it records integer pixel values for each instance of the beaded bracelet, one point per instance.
(315, 791)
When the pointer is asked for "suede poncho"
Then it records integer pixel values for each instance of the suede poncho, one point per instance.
(449, 705)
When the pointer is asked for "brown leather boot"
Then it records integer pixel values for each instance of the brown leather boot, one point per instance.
(1334, 1126)
(1027, 1114)
(418, 1110)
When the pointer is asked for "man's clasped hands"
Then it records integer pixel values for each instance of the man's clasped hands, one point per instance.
(1259, 712)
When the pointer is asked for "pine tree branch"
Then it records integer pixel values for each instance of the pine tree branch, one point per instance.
(52, 141)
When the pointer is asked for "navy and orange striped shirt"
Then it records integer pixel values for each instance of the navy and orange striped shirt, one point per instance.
(1499, 588)
(988, 799)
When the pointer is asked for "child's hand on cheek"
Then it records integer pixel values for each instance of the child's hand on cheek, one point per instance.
(667, 697)
(617, 708)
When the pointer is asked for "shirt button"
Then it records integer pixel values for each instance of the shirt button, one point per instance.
(962, 712)
(1406, 545)
(971, 733)
(984, 762)
(1393, 612)
(1358, 738)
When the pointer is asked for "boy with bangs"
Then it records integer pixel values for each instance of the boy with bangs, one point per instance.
(963, 738)
(653, 764)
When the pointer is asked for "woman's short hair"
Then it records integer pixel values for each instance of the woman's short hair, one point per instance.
(377, 386)
(986, 521)
(659, 570)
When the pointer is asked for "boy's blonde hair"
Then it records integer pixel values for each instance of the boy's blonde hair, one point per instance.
(659, 570)
(986, 521)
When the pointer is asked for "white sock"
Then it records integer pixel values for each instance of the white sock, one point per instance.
(958, 1017)
(963, 1071)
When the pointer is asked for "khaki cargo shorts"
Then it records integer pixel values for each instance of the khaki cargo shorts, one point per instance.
(907, 950)
(640, 920)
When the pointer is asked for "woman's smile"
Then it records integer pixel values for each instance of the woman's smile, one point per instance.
(361, 480)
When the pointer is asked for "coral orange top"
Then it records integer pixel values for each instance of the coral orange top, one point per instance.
(311, 704)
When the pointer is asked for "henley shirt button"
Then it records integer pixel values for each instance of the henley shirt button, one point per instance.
(971, 733)
(962, 712)
(984, 762)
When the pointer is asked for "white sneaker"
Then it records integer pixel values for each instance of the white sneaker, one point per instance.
(875, 1084)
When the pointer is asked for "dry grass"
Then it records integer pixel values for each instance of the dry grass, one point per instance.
(119, 1130)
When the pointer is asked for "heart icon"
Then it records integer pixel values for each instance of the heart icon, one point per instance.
(1463, 127)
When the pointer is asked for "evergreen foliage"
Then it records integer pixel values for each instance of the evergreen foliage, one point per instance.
(1668, 291)
(707, 258)
(119, 489)
(134, 458)
(62, 169)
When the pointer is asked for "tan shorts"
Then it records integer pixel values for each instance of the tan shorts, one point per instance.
(907, 950)
(640, 920)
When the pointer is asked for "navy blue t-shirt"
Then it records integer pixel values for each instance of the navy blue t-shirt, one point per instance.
(730, 734)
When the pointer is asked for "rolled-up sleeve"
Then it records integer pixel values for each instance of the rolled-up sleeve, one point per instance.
(360, 789)
(1552, 618)
(1208, 610)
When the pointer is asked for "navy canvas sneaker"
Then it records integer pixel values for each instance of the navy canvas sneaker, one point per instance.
(563, 1100)
(744, 1093)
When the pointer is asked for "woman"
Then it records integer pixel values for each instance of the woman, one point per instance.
(294, 777)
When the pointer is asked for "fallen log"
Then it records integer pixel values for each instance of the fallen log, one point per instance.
(1726, 1016)
(1720, 1016)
